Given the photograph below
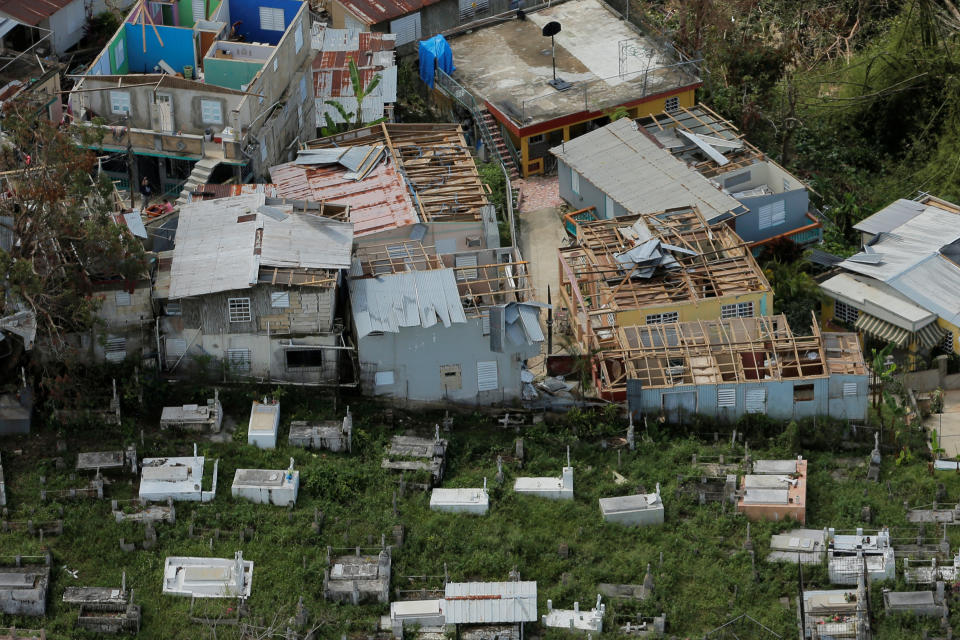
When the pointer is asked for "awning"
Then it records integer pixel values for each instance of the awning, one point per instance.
(929, 335)
(7, 25)
(882, 329)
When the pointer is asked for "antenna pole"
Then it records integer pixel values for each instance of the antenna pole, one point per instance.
(553, 54)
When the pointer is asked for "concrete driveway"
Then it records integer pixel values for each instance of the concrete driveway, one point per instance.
(541, 233)
(947, 424)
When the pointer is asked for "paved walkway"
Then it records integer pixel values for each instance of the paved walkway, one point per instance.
(538, 192)
(947, 424)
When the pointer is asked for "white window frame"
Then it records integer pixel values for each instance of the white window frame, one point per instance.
(726, 397)
(238, 310)
(119, 53)
(574, 181)
(279, 299)
(736, 310)
(119, 100)
(208, 115)
(772, 215)
(115, 350)
(238, 360)
(487, 365)
(846, 313)
(297, 38)
(271, 19)
(662, 318)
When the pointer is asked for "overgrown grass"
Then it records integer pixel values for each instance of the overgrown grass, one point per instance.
(704, 579)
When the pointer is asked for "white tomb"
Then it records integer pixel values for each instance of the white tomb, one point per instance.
(267, 486)
(641, 509)
(208, 577)
(194, 417)
(475, 501)
(554, 488)
(264, 424)
(575, 619)
(176, 478)
(425, 614)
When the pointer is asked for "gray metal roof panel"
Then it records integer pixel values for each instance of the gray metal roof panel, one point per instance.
(890, 217)
(410, 299)
(629, 167)
(490, 602)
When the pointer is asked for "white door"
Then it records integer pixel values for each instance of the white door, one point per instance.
(165, 112)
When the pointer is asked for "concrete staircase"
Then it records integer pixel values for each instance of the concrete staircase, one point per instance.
(200, 174)
(493, 128)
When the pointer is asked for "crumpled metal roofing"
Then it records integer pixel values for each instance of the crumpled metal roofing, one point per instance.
(408, 299)
(216, 244)
(633, 170)
(490, 602)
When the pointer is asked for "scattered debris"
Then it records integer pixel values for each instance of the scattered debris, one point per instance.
(333, 435)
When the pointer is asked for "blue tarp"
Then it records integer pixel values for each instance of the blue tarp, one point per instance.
(435, 51)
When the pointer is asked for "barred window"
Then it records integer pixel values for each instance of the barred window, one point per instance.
(663, 318)
(845, 312)
(238, 360)
(736, 310)
(671, 104)
(239, 309)
(948, 342)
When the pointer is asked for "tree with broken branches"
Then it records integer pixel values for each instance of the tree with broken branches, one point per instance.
(61, 218)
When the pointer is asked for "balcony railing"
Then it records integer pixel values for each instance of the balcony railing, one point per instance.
(187, 145)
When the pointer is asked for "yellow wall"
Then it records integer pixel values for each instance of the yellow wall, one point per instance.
(686, 99)
(946, 326)
(826, 311)
(337, 12)
(703, 310)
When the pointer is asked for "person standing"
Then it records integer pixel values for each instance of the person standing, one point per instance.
(145, 191)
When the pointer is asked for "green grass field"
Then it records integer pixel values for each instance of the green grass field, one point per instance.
(704, 580)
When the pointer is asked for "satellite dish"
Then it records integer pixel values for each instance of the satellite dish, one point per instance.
(549, 30)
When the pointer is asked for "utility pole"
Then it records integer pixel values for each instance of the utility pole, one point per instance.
(131, 166)
(549, 324)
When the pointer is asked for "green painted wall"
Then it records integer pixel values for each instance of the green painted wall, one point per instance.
(185, 8)
(229, 73)
(112, 53)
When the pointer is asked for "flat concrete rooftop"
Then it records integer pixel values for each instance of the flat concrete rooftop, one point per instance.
(609, 61)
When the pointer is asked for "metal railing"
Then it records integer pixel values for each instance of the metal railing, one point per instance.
(597, 95)
(455, 90)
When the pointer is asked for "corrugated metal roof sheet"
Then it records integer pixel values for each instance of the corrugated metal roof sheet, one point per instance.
(373, 55)
(376, 11)
(378, 202)
(408, 299)
(215, 250)
(908, 244)
(891, 216)
(859, 290)
(933, 283)
(490, 602)
(32, 12)
(628, 166)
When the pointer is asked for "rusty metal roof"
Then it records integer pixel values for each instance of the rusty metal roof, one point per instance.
(378, 202)
(376, 11)
(32, 12)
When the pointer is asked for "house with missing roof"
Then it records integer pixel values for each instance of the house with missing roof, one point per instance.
(732, 367)
(606, 62)
(402, 182)
(453, 327)
(661, 268)
(252, 285)
(681, 157)
(373, 55)
(192, 85)
(904, 286)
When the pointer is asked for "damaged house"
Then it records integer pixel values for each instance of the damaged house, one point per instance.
(253, 283)
(456, 327)
(686, 156)
(903, 286)
(664, 267)
(728, 368)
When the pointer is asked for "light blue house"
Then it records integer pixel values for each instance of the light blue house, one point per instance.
(728, 368)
